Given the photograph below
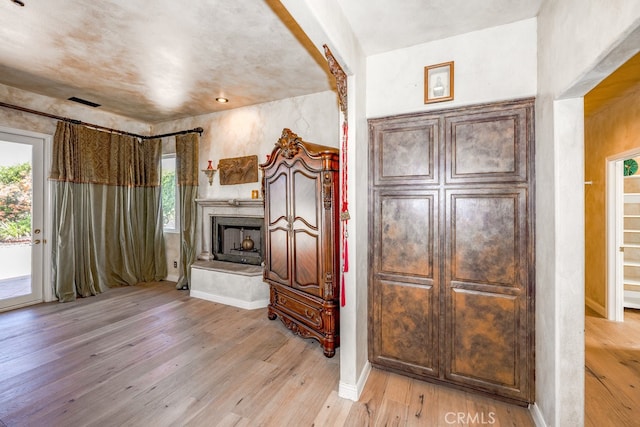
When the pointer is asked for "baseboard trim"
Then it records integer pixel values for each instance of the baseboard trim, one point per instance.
(171, 278)
(253, 305)
(631, 299)
(353, 392)
(536, 414)
(601, 310)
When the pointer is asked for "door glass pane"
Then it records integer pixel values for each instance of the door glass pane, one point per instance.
(15, 219)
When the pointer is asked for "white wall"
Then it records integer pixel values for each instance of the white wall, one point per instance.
(324, 23)
(495, 64)
(579, 43)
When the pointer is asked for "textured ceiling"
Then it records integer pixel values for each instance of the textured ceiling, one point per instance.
(164, 59)
(155, 60)
(383, 25)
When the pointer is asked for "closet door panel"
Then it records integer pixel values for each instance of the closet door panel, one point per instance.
(406, 152)
(408, 327)
(487, 147)
(486, 236)
(486, 278)
(407, 233)
(404, 327)
(484, 339)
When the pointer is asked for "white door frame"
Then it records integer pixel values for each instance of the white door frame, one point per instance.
(41, 218)
(615, 239)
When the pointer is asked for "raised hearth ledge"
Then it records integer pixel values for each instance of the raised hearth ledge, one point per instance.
(237, 285)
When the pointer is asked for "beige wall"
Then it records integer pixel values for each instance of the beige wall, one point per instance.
(247, 131)
(612, 130)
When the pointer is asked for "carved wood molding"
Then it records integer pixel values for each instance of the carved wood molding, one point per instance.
(288, 143)
(327, 185)
(341, 79)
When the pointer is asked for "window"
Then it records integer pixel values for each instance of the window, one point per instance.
(170, 215)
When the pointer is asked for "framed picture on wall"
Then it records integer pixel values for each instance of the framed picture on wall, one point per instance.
(438, 82)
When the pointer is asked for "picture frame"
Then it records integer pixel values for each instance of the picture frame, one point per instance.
(438, 82)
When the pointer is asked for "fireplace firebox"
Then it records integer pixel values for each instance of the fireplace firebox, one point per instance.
(237, 239)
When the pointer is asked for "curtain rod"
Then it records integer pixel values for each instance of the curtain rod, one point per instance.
(78, 122)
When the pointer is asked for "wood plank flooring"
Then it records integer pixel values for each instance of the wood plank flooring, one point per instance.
(149, 355)
(612, 370)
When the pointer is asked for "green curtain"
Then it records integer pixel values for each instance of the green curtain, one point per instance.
(107, 220)
(187, 176)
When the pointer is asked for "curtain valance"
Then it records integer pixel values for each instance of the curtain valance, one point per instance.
(89, 156)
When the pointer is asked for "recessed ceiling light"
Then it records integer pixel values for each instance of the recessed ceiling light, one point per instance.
(222, 100)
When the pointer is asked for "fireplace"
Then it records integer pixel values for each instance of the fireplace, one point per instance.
(237, 239)
(224, 225)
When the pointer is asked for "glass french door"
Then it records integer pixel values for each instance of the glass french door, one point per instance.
(22, 238)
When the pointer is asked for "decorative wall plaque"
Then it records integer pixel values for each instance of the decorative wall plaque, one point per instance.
(238, 170)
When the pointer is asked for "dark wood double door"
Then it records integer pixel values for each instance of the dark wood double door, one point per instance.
(451, 282)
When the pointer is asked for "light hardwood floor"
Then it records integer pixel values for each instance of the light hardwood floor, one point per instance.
(149, 355)
(612, 370)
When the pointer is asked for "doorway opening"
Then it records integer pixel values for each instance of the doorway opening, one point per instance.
(22, 201)
(623, 233)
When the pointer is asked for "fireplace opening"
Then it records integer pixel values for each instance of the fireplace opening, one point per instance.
(237, 239)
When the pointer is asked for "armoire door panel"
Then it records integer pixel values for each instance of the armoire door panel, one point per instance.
(484, 340)
(277, 259)
(276, 205)
(306, 270)
(408, 333)
(305, 205)
(487, 147)
(407, 153)
(485, 239)
(407, 230)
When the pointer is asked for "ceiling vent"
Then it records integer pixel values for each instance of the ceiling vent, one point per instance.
(84, 101)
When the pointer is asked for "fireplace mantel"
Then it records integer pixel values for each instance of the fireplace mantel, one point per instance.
(222, 207)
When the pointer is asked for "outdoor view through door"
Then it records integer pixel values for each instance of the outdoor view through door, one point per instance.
(21, 219)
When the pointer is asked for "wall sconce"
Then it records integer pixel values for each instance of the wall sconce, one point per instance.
(210, 171)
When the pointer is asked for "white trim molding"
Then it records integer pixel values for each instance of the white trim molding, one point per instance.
(353, 392)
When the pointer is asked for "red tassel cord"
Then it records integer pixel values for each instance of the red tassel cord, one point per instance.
(344, 215)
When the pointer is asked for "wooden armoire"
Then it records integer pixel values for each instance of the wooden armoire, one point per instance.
(451, 207)
(301, 256)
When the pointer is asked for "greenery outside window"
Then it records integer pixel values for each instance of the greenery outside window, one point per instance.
(170, 207)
